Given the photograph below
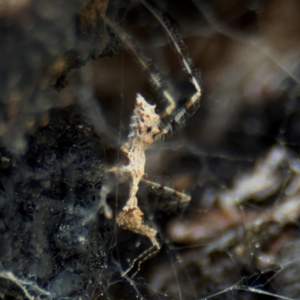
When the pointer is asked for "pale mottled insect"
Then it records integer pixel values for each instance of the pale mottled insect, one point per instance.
(146, 127)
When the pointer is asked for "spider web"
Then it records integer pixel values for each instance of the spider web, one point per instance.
(238, 157)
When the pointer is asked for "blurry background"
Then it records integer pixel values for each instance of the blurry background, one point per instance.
(68, 87)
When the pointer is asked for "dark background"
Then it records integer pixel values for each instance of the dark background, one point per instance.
(68, 88)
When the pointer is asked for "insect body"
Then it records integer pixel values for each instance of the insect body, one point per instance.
(146, 127)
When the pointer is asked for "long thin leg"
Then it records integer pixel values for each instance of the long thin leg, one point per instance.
(187, 67)
(155, 78)
(153, 250)
(141, 258)
(151, 254)
(182, 196)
